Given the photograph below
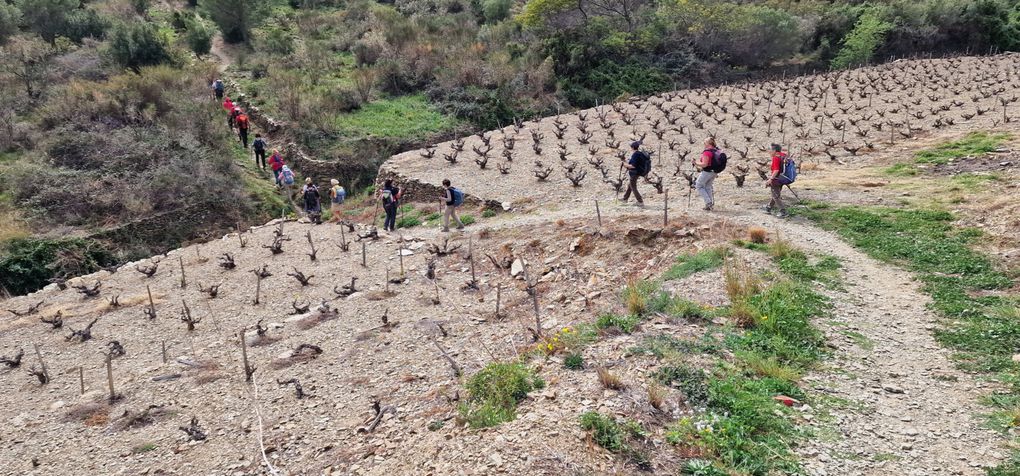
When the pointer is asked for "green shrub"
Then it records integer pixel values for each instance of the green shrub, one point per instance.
(495, 11)
(604, 430)
(573, 362)
(141, 6)
(860, 45)
(488, 213)
(495, 391)
(48, 18)
(625, 324)
(199, 37)
(10, 18)
(467, 219)
(134, 45)
(27, 264)
(690, 381)
(85, 23)
(235, 18)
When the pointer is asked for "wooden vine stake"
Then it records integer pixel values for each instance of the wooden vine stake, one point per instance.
(163, 345)
(258, 289)
(81, 380)
(533, 290)
(471, 257)
(248, 369)
(400, 256)
(364, 252)
(499, 297)
(665, 208)
(598, 213)
(109, 377)
(184, 279)
(42, 364)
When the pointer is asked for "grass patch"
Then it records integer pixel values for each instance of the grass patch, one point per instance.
(690, 264)
(573, 362)
(973, 181)
(495, 391)
(663, 345)
(901, 169)
(625, 324)
(143, 448)
(467, 220)
(975, 143)
(616, 436)
(796, 264)
(403, 117)
(692, 382)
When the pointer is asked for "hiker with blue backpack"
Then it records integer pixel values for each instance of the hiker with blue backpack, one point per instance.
(453, 198)
(711, 162)
(217, 87)
(639, 165)
(337, 195)
(782, 173)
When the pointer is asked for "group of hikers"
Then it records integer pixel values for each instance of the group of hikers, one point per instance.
(389, 195)
(709, 164)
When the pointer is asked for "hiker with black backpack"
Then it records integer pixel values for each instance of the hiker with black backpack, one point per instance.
(312, 199)
(453, 198)
(639, 165)
(259, 147)
(390, 196)
(782, 173)
(711, 162)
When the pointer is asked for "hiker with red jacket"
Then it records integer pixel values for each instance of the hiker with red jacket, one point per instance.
(705, 163)
(775, 181)
(242, 128)
(228, 105)
(638, 166)
(232, 116)
(276, 164)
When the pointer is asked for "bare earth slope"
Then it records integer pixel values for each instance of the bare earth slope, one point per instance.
(901, 407)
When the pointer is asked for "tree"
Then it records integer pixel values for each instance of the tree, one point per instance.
(48, 18)
(860, 44)
(135, 45)
(199, 37)
(235, 18)
(26, 60)
(10, 17)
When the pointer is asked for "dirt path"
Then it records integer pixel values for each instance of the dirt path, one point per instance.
(901, 407)
(898, 405)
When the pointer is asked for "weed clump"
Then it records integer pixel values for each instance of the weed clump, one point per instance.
(573, 362)
(692, 382)
(757, 234)
(620, 437)
(624, 324)
(495, 391)
(609, 380)
(703, 261)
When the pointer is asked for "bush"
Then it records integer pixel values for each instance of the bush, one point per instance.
(573, 362)
(691, 382)
(625, 324)
(199, 37)
(278, 41)
(235, 18)
(860, 44)
(10, 18)
(141, 6)
(495, 391)
(27, 264)
(495, 11)
(604, 431)
(85, 23)
(48, 18)
(135, 45)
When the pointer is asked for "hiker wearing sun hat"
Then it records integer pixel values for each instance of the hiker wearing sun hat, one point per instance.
(337, 195)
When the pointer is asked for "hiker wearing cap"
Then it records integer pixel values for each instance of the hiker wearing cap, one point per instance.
(313, 206)
(217, 87)
(638, 166)
(259, 146)
(706, 164)
(232, 116)
(453, 198)
(775, 182)
(390, 195)
(337, 195)
(242, 127)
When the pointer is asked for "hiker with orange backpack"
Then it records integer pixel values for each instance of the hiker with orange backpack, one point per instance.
(242, 128)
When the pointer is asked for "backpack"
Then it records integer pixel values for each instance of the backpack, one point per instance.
(242, 121)
(719, 160)
(458, 197)
(311, 193)
(259, 145)
(788, 171)
(288, 175)
(387, 197)
(644, 167)
(218, 85)
(339, 194)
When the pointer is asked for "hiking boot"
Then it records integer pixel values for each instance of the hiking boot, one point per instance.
(767, 209)
(639, 204)
(460, 227)
(708, 207)
(445, 230)
(782, 214)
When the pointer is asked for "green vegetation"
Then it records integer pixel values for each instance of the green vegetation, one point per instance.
(973, 144)
(860, 45)
(625, 324)
(27, 264)
(690, 264)
(619, 437)
(495, 391)
(573, 362)
(143, 448)
(901, 169)
(405, 117)
(982, 326)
